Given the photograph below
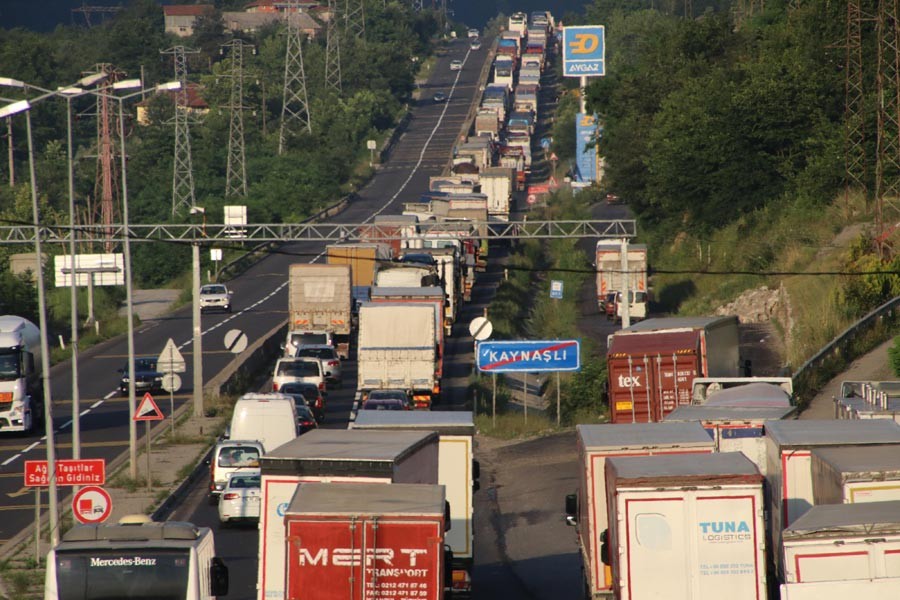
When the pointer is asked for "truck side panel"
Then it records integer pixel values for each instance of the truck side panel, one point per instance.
(878, 589)
(721, 349)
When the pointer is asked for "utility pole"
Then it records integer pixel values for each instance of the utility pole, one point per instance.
(355, 18)
(855, 159)
(106, 182)
(236, 172)
(333, 49)
(183, 172)
(887, 142)
(295, 103)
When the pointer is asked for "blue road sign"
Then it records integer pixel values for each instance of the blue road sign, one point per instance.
(587, 130)
(556, 289)
(532, 356)
(584, 51)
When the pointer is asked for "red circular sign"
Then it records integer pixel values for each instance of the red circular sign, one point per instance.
(91, 504)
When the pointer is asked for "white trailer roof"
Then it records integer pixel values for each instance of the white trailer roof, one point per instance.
(843, 520)
(705, 412)
(367, 499)
(664, 323)
(380, 291)
(343, 444)
(680, 466)
(643, 435)
(884, 460)
(829, 432)
(444, 422)
(751, 394)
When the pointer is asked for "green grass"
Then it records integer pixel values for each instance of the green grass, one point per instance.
(513, 425)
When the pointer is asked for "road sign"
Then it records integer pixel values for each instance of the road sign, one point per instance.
(91, 504)
(236, 341)
(584, 51)
(556, 289)
(147, 410)
(531, 356)
(171, 382)
(91, 471)
(170, 359)
(480, 328)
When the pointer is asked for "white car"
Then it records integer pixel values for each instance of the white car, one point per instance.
(475, 45)
(473, 33)
(456, 65)
(215, 296)
(240, 498)
(308, 370)
(327, 356)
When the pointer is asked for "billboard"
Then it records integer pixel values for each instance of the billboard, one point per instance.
(587, 132)
(105, 269)
(584, 51)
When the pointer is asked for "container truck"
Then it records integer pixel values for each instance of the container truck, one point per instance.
(136, 559)
(789, 446)
(398, 528)
(526, 98)
(331, 456)
(450, 269)
(843, 551)
(400, 275)
(397, 349)
(735, 428)
(611, 277)
(504, 72)
(433, 295)
(395, 231)
(652, 364)
(458, 472)
(453, 184)
(513, 157)
(587, 508)
(854, 475)
(487, 123)
(686, 527)
(530, 75)
(319, 299)
(362, 258)
(518, 23)
(497, 184)
(21, 389)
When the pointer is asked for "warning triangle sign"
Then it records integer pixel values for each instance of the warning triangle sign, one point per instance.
(147, 410)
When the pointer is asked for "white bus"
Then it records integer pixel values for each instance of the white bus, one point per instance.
(136, 559)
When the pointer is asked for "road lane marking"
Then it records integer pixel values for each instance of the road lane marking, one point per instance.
(31, 447)
(96, 404)
(9, 460)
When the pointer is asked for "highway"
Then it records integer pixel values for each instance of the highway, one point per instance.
(260, 300)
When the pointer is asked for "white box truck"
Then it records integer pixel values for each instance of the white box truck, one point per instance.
(328, 455)
(458, 472)
(841, 551)
(686, 527)
(789, 446)
(587, 509)
(854, 475)
(497, 184)
(612, 277)
(319, 299)
(21, 390)
(397, 349)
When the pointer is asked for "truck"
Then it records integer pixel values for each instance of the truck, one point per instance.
(525, 98)
(518, 23)
(434, 295)
(398, 528)
(458, 472)
(611, 277)
(504, 72)
(363, 259)
(21, 389)
(397, 349)
(854, 475)
(332, 456)
(743, 391)
(686, 527)
(789, 446)
(497, 184)
(530, 75)
(319, 299)
(513, 157)
(136, 558)
(587, 508)
(843, 551)
(521, 121)
(652, 364)
(451, 271)
(401, 229)
(487, 123)
(403, 275)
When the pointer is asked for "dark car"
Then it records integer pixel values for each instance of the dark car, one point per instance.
(439, 97)
(306, 420)
(310, 394)
(146, 379)
(419, 258)
(387, 400)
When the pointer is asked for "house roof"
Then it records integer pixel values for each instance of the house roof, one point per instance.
(187, 10)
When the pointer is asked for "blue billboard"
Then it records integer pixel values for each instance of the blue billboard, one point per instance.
(587, 134)
(532, 356)
(584, 51)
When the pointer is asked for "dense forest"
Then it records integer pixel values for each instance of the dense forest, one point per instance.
(377, 70)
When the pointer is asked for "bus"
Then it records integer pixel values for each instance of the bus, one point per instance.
(136, 559)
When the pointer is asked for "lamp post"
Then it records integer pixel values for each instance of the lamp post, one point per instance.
(195, 318)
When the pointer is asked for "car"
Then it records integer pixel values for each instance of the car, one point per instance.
(298, 369)
(456, 65)
(475, 45)
(306, 420)
(240, 497)
(419, 258)
(308, 394)
(147, 377)
(439, 97)
(472, 33)
(387, 400)
(229, 457)
(328, 356)
(613, 199)
(215, 296)
(303, 337)
(609, 306)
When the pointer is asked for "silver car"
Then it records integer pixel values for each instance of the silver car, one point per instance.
(327, 356)
(308, 370)
(215, 296)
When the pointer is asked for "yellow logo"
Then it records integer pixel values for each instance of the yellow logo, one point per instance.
(584, 43)
(587, 120)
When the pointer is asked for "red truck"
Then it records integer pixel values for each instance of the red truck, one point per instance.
(370, 541)
(652, 365)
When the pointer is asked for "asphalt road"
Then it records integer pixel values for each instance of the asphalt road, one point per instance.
(260, 300)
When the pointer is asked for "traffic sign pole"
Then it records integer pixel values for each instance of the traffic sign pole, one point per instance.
(149, 477)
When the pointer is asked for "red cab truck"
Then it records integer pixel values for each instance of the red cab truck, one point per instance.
(365, 541)
(587, 510)
(652, 364)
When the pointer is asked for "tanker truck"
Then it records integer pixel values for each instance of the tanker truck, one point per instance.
(21, 393)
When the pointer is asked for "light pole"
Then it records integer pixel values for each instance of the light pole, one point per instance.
(195, 318)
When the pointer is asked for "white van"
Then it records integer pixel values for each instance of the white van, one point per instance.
(271, 419)
(227, 457)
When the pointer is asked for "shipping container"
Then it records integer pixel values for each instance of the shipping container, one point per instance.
(596, 444)
(362, 258)
(854, 475)
(789, 446)
(373, 541)
(333, 456)
(686, 527)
